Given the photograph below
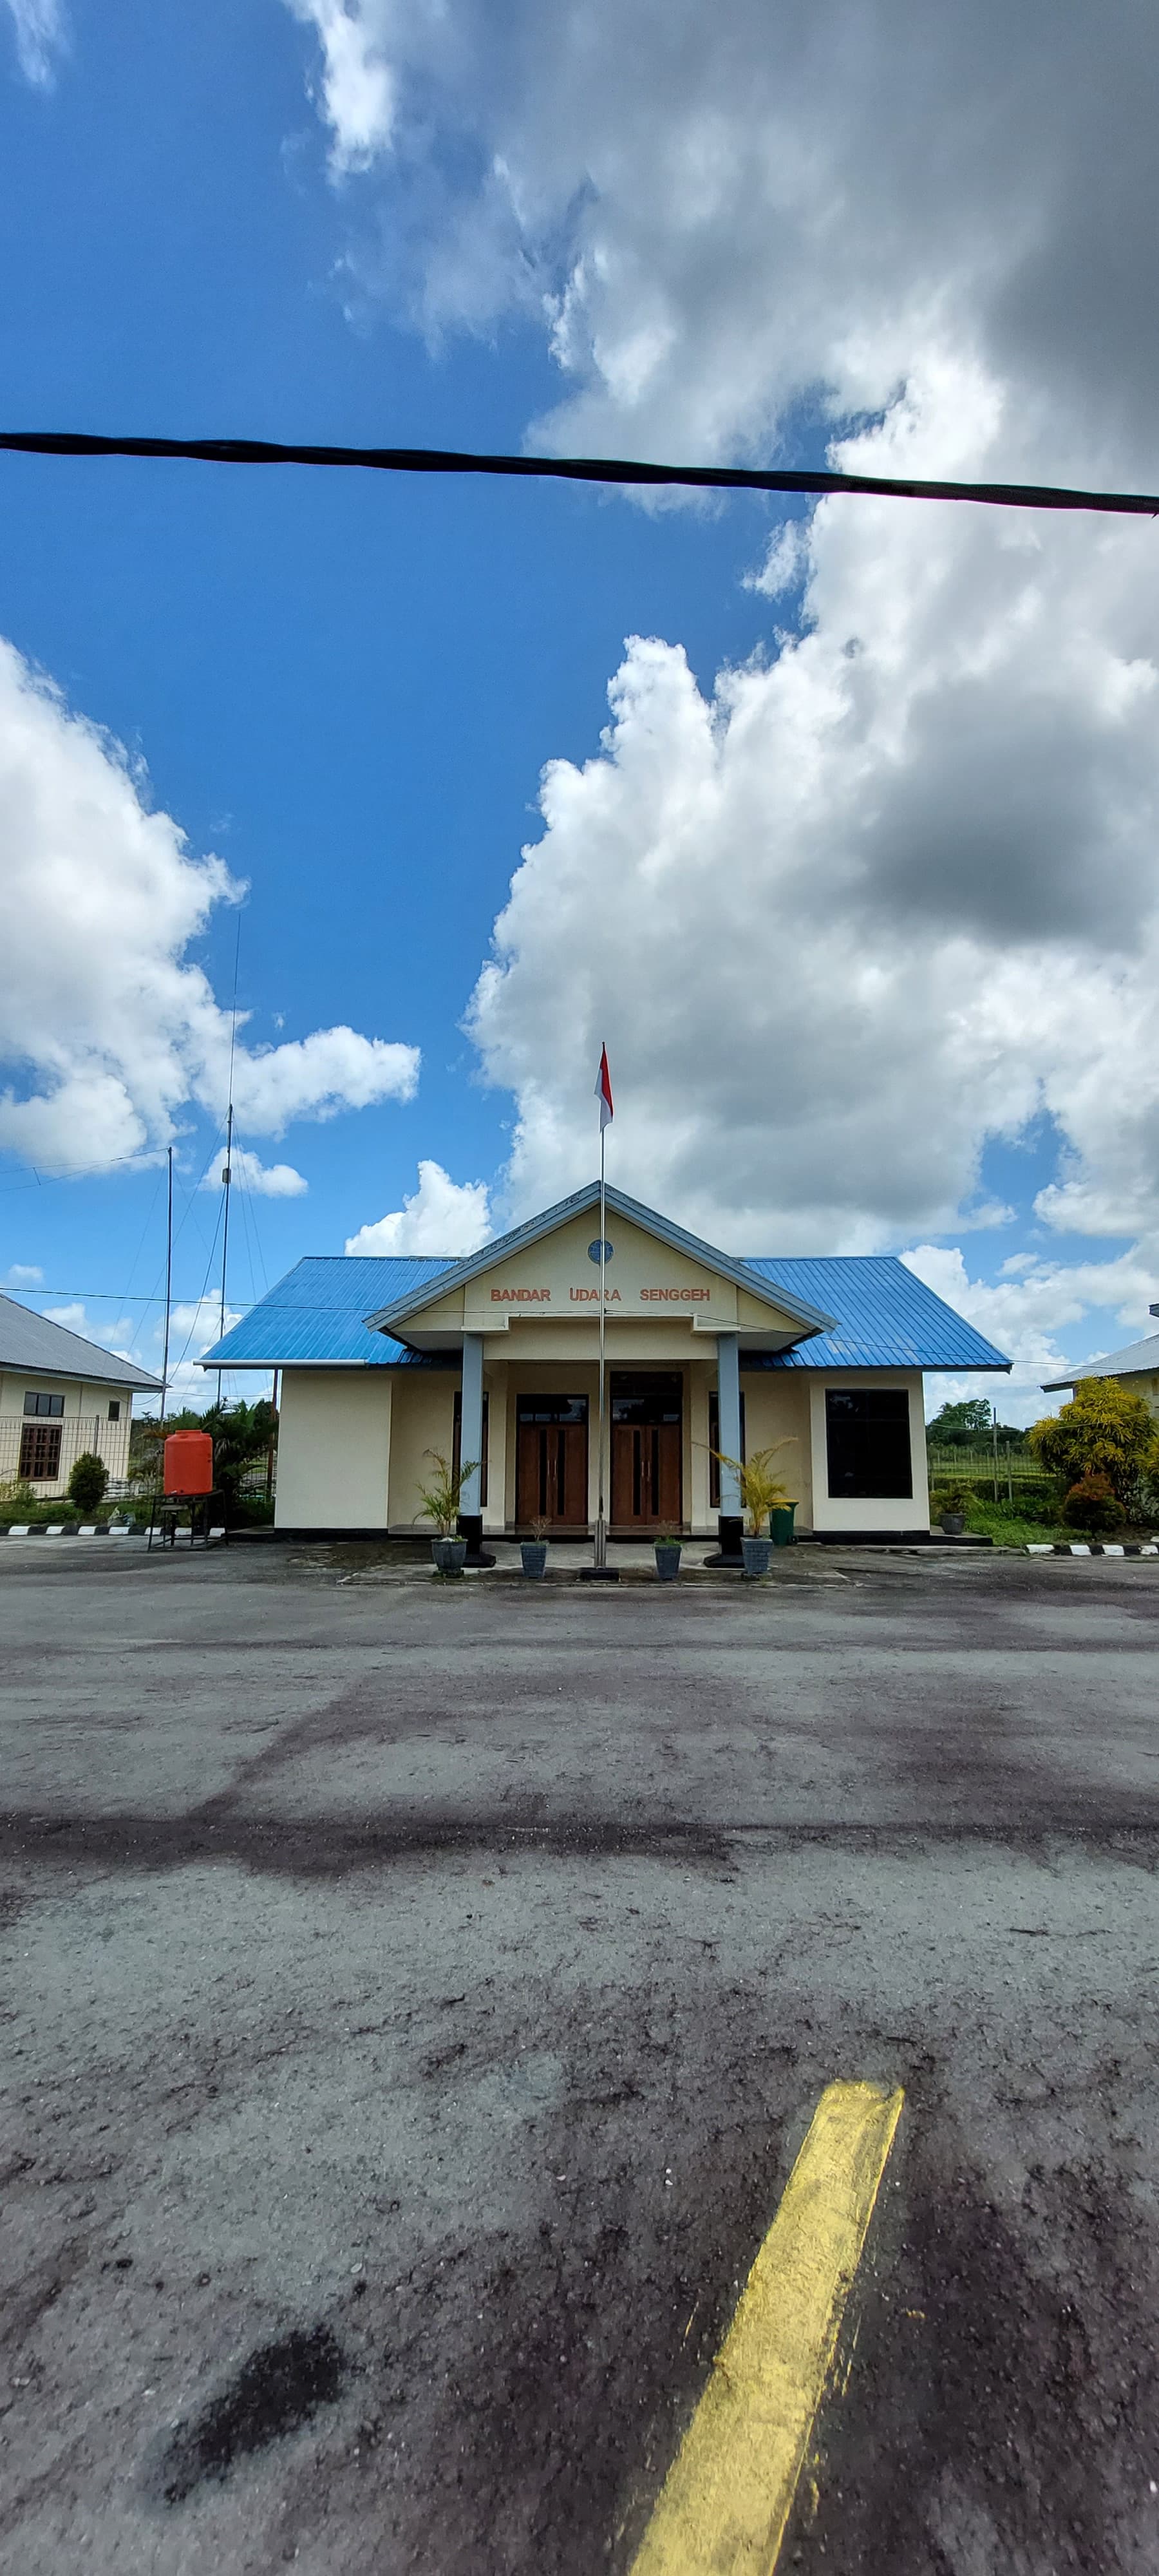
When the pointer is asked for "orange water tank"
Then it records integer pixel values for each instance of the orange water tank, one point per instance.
(189, 1463)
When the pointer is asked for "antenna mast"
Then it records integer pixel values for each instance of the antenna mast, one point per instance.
(227, 1175)
(168, 1295)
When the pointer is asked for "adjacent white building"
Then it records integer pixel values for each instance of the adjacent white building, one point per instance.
(61, 1395)
(1137, 1367)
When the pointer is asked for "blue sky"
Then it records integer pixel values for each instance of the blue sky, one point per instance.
(348, 687)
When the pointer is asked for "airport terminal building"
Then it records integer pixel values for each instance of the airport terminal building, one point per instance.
(495, 1358)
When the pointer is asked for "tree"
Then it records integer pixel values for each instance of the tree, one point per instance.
(1103, 1431)
(960, 1421)
(240, 1434)
(87, 1483)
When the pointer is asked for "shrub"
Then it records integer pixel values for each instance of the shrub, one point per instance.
(1104, 1431)
(88, 1481)
(761, 1490)
(1033, 1495)
(1092, 1504)
(442, 1497)
(956, 1496)
(17, 1499)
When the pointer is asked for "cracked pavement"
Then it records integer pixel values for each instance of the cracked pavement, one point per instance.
(415, 1996)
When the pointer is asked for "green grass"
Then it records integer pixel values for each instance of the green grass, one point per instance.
(1012, 1528)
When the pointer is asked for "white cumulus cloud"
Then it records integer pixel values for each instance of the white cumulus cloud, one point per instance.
(107, 1028)
(265, 1180)
(41, 31)
(357, 93)
(442, 1215)
(715, 212)
(871, 903)
(110, 1333)
(1024, 1310)
(892, 892)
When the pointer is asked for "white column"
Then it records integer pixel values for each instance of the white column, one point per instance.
(728, 1406)
(471, 1423)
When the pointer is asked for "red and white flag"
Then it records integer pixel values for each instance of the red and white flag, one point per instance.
(604, 1091)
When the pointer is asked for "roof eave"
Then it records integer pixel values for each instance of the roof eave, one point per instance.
(810, 1318)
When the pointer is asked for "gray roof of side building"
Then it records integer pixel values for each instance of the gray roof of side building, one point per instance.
(1138, 1360)
(34, 1343)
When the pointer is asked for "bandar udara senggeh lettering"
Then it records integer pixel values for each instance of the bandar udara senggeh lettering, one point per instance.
(612, 1296)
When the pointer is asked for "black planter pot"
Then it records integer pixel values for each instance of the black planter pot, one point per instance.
(667, 1563)
(450, 1555)
(533, 1554)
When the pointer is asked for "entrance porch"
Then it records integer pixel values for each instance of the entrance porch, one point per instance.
(536, 1434)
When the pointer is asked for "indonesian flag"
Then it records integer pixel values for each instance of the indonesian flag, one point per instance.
(604, 1091)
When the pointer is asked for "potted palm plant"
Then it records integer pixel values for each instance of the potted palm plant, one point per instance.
(440, 1505)
(950, 1505)
(667, 1545)
(533, 1550)
(761, 1492)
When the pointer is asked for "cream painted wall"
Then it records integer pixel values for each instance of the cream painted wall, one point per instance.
(334, 1445)
(648, 1283)
(638, 1343)
(423, 1419)
(776, 1407)
(890, 1512)
(1138, 1382)
(353, 1442)
(500, 1449)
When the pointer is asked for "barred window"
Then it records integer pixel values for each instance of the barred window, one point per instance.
(40, 1452)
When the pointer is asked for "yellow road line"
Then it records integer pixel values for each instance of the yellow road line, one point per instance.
(727, 2497)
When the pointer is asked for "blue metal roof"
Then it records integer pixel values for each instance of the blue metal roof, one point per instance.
(317, 1313)
(885, 1318)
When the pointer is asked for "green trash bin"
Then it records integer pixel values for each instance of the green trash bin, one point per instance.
(781, 1529)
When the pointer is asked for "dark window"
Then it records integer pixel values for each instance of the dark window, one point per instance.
(49, 1404)
(713, 1446)
(552, 1408)
(647, 1396)
(457, 1445)
(114, 1411)
(40, 1452)
(869, 1444)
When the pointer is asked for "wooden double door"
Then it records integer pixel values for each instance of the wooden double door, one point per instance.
(647, 1426)
(551, 1460)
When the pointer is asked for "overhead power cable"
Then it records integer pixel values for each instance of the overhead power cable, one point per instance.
(580, 469)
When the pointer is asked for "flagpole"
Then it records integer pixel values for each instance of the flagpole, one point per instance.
(601, 1547)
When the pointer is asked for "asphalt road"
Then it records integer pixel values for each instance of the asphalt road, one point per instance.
(415, 1997)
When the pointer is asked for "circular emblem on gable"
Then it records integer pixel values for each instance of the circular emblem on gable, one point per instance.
(595, 1248)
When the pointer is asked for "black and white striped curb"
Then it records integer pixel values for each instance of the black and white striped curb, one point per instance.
(71, 1529)
(87, 1529)
(1094, 1547)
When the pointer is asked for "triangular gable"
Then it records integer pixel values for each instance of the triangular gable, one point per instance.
(508, 1250)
